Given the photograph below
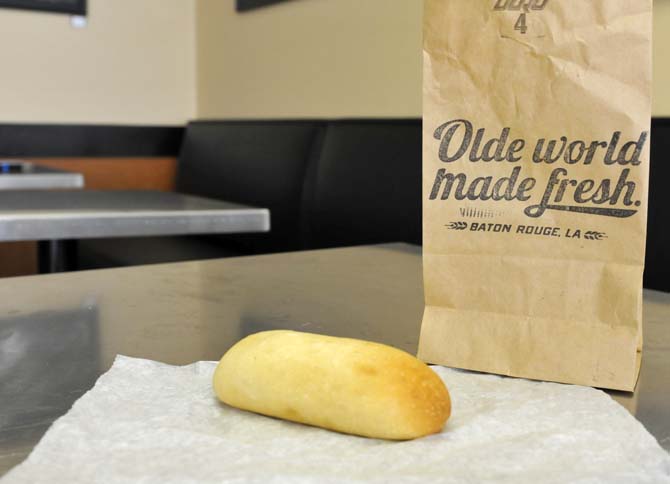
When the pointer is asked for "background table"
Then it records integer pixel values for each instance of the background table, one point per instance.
(60, 215)
(24, 175)
(59, 332)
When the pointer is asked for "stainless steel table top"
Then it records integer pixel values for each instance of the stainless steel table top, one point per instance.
(59, 332)
(41, 215)
(23, 175)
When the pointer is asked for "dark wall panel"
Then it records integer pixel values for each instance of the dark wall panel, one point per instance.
(73, 7)
(246, 5)
(657, 270)
(35, 140)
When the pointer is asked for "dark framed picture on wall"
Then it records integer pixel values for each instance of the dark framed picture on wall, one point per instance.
(72, 7)
(246, 5)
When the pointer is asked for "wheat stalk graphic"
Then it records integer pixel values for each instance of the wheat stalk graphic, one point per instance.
(457, 225)
(594, 235)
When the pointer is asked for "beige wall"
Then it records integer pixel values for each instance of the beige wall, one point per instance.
(333, 58)
(310, 58)
(661, 101)
(137, 62)
(133, 64)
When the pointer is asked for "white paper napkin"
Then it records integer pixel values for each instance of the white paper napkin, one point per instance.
(153, 423)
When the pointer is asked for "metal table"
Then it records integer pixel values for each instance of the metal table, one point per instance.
(54, 216)
(23, 175)
(59, 332)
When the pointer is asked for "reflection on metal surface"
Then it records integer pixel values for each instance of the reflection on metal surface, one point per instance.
(23, 175)
(652, 395)
(185, 312)
(53, 214)
(47, 361)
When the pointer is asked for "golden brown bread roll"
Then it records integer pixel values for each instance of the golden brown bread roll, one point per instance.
(341, 384)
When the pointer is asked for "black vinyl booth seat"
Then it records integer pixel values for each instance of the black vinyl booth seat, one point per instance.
(328, 184)
(365, 186)
(255, 163)
(657, 263)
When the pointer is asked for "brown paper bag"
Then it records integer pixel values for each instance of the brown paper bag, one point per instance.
(536, 157)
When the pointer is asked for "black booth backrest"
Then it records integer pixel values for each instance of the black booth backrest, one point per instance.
(351, 182)
(365, 186)
(657, 267)
(326, 183)
(260, 163)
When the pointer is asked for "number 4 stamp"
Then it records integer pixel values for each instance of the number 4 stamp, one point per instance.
(523, 7)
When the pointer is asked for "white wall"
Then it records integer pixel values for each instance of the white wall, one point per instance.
(310, 58)
(334, 58)
(166, 61)
(661, 58)
(133, 64)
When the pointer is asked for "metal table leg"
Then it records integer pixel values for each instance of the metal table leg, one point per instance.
(56, 255)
